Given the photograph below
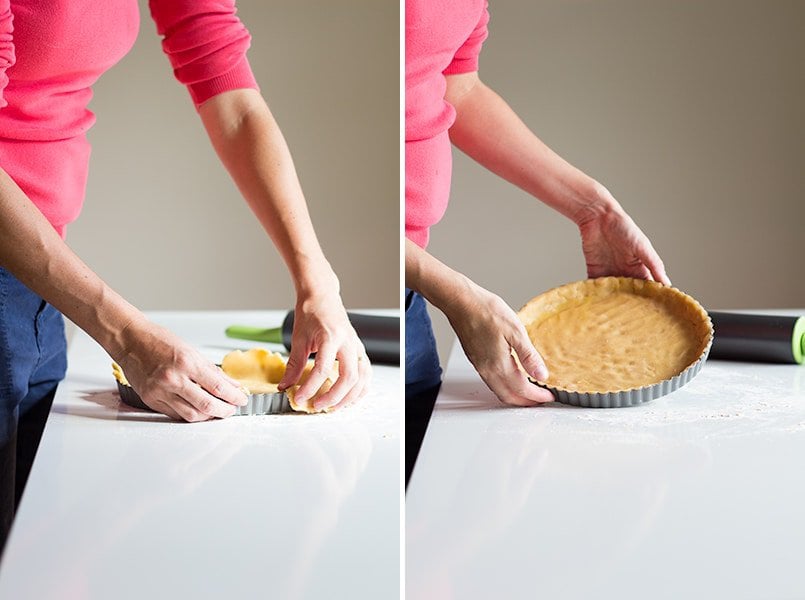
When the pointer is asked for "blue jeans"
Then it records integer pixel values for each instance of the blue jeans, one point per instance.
(422, 370)
(423, 376)
(33, 359)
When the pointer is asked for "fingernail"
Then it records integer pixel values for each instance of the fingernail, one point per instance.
(541, 373)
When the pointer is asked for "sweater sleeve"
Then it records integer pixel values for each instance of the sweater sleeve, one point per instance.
(7, 56)
(465, 59)
(206, 44)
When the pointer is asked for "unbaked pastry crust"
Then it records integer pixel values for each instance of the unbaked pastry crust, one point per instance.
(259, 371)
(615, 333)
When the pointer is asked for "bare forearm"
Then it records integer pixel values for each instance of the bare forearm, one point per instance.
(32, 250)
(253, 150)
(489, 131)
(442, 286)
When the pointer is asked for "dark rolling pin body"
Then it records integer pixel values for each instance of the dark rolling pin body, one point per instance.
(380, 335)
(763, 338)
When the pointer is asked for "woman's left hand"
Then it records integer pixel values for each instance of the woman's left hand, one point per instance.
(614, 245)
(321, 325)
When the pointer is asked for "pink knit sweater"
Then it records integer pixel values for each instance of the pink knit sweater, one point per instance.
(441, 38)
(53, 51)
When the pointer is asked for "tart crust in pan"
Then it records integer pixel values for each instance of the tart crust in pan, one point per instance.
(612, 334)
(257, 370)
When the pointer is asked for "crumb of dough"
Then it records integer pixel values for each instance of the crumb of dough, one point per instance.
(118, 373)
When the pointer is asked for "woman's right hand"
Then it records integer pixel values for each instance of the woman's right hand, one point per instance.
(489, 330)
(173, 378)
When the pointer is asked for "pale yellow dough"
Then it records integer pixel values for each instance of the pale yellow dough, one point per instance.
(615, 333)
(259, 371)
(118, 373)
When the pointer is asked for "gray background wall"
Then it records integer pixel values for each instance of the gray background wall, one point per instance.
(691, 112)
(164, 225)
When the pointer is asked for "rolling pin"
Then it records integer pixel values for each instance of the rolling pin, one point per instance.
(380, 335)
(764, 338)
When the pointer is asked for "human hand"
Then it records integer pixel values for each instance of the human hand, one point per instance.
(614, 245)
(173, 378)
(489, 330)
(321, 325)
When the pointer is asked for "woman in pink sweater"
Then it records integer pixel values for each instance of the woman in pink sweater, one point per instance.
(51, 53)
(446, 102)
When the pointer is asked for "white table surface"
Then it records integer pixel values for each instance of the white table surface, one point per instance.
(700, 494)
(126, 504)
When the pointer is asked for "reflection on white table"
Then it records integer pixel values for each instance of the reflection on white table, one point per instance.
(700, 494)
(122, 503)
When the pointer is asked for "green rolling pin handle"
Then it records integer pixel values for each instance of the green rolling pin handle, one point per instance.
(255, 334)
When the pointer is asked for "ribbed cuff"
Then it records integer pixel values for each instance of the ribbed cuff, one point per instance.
(462, 65)
(237, 78)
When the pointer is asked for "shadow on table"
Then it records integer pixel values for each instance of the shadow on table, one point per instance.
(106, 405)
(472, 395)
(114, 409)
